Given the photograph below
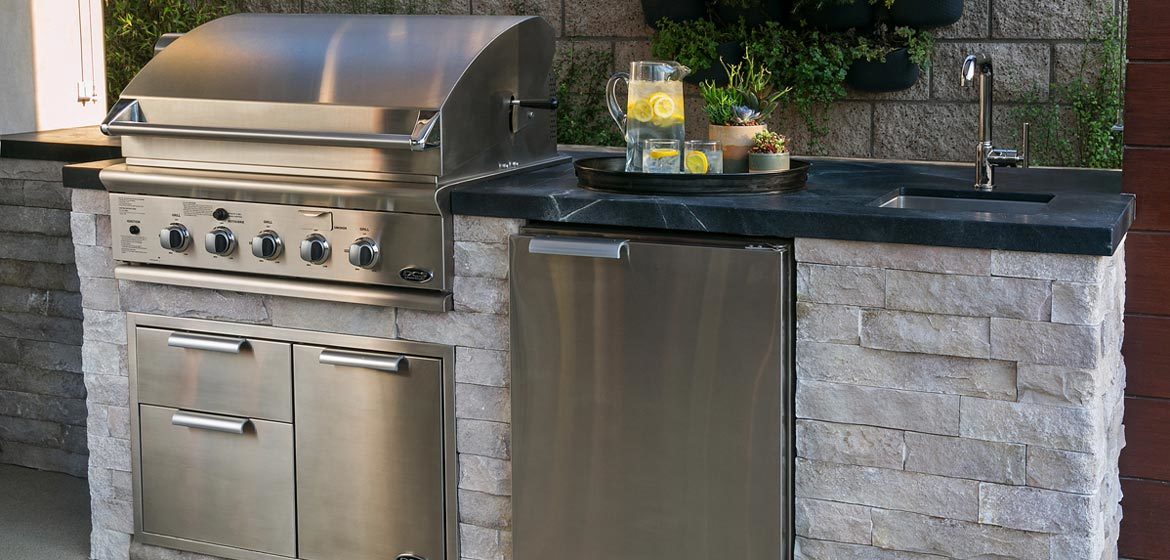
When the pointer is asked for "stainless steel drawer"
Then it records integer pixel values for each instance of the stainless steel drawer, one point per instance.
(218, 479)
(212, 373)
(369, 455)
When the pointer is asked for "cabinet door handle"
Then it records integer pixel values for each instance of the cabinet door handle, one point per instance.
(593, 247)
(361, 360)
(206, 342)
(198, 420)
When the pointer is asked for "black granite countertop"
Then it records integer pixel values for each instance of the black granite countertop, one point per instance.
(1087, 215)
(68, 144)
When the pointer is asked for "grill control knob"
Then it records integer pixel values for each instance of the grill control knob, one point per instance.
(364, 253)
(220, 241)
(175, 237)
(315, 249)
(267, 245)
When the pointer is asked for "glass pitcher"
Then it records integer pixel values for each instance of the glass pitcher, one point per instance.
(654, 105)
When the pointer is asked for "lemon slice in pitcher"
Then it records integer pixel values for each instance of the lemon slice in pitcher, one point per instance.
(663, 105)
(696, 162)
(641, 111)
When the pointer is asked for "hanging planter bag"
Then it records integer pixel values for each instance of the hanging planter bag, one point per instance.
(754, 16)
(895, 73)
(926, 13)
(840, 17)
(731, 53)
(674, 10)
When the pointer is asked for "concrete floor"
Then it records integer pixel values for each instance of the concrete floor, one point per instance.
(43, 515)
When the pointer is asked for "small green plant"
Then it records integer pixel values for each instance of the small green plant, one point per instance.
(693, 43)
(874, 47)
(582, 117)
(748, 99)
(767, 142)
(133, 26)
(813, 63)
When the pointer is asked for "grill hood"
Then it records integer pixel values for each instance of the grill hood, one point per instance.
(409, 98)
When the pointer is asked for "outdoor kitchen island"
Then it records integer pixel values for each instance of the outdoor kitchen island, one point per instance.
(958, 375)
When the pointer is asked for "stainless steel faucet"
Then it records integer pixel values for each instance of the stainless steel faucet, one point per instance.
(989, 157)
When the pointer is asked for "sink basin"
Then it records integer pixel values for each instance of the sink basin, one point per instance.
(943, 200)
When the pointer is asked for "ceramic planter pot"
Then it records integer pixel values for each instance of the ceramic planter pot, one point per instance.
(840, 17)
(674, 10)
(731, 53)
(926, 13)
(737, 142)
(895, 73)
(769, 163)
(755, 16)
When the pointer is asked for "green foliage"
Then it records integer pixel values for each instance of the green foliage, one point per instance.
(812, 63)
(1075, 128)
(768, 142)
(133, 26)
(693, 43)
(875, 46)
(749, 97)
(583, 117)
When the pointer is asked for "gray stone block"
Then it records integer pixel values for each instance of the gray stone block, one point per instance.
(114, 515)
(828, 323)
(1047, 19)
(109, 453)
(37, 327)
(482, 367)
(105, 544)
(946, 335)
(105, 326)
(481, 260)
(479, 437)
(1029, 64)
(943, 260)
(849, 444)
(28, 219)
(139, 551)
(484, 230)
(478, 402)
(91, 201)
(478, 330)
(83, 227)
(51, 383)
(1066, 428)
(1034, 509)
(973, 25)
(63, 304)
(101, 294)
(104, 358)
(329, 316)
(48, 276)
(41, 407)
(481, 295)
(898, 370)
(952, 538)
(1060, 385)
(833, 521)
(1091, 545)
(809, 549)
(889, 408)
(973, 296)
(52, 356)
(33, 169)
(478, 543)
(927, 131)
(886, 488)
(1077, 303)
(842, 285)
(607, 18)
(485, 510)
(1028, 342)
(94, 261)
(113, 390)
(43, 458)
(198, 303)
(40, 433)
(965, 458)
(485, 474)
(847, 123)
(1048, 266)
(123, 485)
(37, 247)
(1066, 471)
(119, 421)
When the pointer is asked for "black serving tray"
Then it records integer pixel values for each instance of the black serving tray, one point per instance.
(609, 174)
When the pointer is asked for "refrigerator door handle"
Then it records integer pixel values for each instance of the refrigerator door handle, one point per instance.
(591, 247)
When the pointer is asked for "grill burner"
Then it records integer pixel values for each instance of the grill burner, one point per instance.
(312, 155)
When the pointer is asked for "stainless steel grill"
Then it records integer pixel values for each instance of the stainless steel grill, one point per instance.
(311, 155)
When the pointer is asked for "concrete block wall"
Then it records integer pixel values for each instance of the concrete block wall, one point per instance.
(1035, 45)
(42, 393)
(957, 403)
(478, 328)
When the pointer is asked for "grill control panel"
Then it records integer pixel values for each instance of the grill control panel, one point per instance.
(359, 246)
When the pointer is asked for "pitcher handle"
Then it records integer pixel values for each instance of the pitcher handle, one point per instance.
(615, 108)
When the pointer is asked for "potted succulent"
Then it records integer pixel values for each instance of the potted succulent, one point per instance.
(738, 110)
(835, 15)
(698, 45)
(890, 60)
(925, 13)
(751, 12)
(655, 11)
(769, 153)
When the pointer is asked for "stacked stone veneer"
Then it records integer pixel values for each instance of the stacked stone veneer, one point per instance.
(478, 328)
(42, 393)
(957, 403)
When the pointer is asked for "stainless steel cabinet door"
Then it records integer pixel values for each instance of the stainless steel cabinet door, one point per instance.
(369, 455)
(214, 373)
(649, 400)
(203, 481)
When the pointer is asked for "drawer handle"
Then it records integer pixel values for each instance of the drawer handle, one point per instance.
(211, 422)
(205, 342)
(361, 360)
(592, 247)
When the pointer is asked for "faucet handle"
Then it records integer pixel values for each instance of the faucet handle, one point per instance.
(1026, 147)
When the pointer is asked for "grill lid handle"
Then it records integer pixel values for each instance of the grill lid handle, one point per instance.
(126, 119)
